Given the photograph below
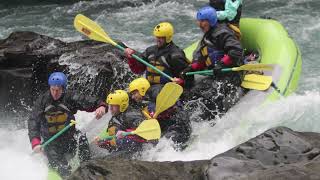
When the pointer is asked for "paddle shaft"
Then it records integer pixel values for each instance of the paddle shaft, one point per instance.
(57, 135)
(146, 63)
(89, 27)
(246, 67)
(114, 136)
(206, 72)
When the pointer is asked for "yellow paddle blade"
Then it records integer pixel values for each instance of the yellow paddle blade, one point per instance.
(167, 97)
(148, 129)
(91, 29)
(253, 67)
(257, 82)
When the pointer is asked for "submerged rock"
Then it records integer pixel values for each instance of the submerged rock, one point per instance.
(278, 153)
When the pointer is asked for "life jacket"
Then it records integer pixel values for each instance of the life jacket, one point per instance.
(153, 76)
(211, 55)
(112, 131)
(120, 122)
(160, 63)
(164, 60)
(211, 48)
(58, 117)
(209, 51)
(236, 30)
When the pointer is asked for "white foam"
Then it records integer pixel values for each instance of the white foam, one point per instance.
(16, 159)
(299, 112)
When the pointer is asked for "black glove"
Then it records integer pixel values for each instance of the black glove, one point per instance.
(184, 72)
(217, 69)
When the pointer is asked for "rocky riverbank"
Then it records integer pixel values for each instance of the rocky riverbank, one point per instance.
(27, 59)
(279, 153)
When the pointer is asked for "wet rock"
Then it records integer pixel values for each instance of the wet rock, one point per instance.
(278, 153)
(114, 169)
(23, 49)
(28, 58)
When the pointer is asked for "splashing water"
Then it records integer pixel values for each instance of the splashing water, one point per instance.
(134, 25)
(296, 112)
(15, 155)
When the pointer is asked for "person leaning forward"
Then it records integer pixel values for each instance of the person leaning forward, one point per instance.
(52, 112)
(174, 122)
(125, 118)
(219, 48)
(165, 55)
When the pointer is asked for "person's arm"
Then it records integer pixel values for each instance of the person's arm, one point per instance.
(232, 48)
(230, 10)
(135, 66)
(34, 124)
(178, 61)
(84, 102)
(87, 103)
(198, 62)
(153, 92)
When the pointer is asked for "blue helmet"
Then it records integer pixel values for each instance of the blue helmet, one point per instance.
(58, 79)
(208, 13)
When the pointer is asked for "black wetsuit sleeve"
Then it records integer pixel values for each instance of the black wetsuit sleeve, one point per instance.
(153, 92)
(133, 118)
(178, 61)
(232, 47)
(34, 121)
(129, 119)
(84, 102)
(142, 55)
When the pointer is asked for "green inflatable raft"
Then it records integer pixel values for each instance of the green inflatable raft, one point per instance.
(271, 40)
(53, 175)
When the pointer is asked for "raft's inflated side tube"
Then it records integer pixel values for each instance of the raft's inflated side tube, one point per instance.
(53, 175)
(271, 40)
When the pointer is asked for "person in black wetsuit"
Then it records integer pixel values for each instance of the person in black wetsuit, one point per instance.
(166, 56)
(174, 122)
(52, 112)
(219, 48)
(125, 118)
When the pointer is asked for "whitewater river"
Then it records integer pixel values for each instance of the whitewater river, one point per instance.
(133, 25)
